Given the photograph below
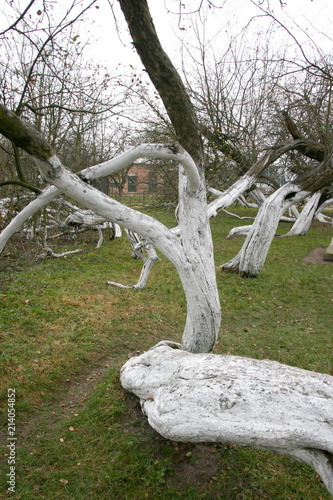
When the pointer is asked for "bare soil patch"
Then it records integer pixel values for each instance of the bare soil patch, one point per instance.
(316, 256)
(191, 464)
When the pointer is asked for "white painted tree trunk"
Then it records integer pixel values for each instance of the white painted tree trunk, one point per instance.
(191, 254)
(205, 397)
(328, 256)
(251, 258)
(87, 219)
(321, 217)
(145, 271)
(40, 202)
(303, 222)
(197, 270)
(239, 231)
(257, 196)
(229, 196)
(137, 245)
(247, 180)
(96, 172)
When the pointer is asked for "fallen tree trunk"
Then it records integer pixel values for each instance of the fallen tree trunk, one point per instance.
(221, 398)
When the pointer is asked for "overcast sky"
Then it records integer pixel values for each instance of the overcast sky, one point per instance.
(312, 17)
(302, 17)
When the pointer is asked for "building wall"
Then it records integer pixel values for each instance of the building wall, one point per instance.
(140, 179)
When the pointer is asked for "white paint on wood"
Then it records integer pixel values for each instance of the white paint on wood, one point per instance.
(251, 258)
(303, 221)
(191, 253)
(220, 398)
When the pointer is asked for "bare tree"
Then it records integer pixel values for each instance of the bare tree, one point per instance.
(313, 179)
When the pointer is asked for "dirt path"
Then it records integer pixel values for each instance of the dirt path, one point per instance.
(79, 389)
(316, 256)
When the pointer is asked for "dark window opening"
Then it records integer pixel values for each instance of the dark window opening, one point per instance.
(152, 181)
(132, 183)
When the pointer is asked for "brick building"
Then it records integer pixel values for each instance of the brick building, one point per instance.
(139, 179)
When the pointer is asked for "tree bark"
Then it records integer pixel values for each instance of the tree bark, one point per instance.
(246, 181)
(145, 271)
(303, 222)
(192, 254)
(17, 222)
(197, 271)
(164, 76)
(324, 218)
(204, 397)
(311, 149)
(251, 258)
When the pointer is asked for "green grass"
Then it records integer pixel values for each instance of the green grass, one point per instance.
(59, 321)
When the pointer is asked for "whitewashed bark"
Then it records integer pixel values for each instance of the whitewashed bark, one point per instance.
(237, 216)
(246, 181)
(100, 237)
(244, 203)
(137, 245)
(192, 254)
(321, 217)
(211, 398)
(251, 258)
(257, 196)
(145, 271)
(117, 231)
(303, 222)
(86, 219)
(293, 212)
(71, 185)
(325, 219)
(175, 153)
(328, 256)
(17, 222)
(197, 270)
(229, 196)
(239, 231)
(214, 191)
(50, 253)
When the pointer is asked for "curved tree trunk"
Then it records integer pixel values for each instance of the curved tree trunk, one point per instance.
(17, 222)
(324, 218)
(303, 222)
(197, 270)
(191, 254)
(189, 396)
(251, 258)
(145, 271)
(248, 180)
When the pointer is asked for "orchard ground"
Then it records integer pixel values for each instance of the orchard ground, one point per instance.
(65, 335)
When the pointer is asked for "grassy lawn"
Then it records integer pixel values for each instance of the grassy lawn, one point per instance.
(65, 334)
